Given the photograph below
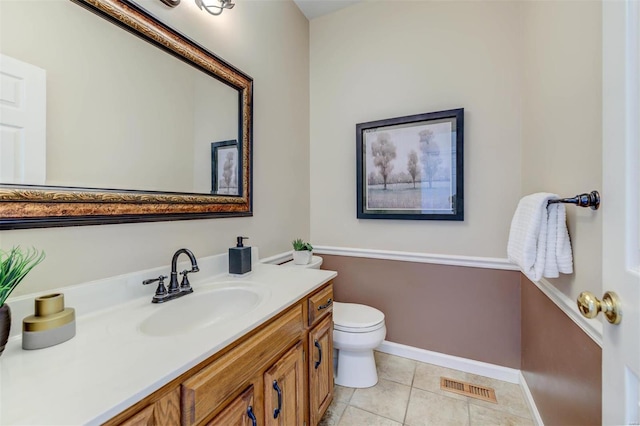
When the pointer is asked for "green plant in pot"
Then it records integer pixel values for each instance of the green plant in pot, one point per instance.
(302, 252)
(15, 264)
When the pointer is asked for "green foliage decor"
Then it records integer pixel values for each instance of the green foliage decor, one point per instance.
(14, 266)
(300, 245)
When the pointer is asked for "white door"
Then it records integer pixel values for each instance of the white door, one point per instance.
(620, 209)
(22, 122)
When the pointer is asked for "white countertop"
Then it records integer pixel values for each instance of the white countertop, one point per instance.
(110, 364)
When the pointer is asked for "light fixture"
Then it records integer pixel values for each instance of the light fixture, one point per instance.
(217, 7)
(171, 3)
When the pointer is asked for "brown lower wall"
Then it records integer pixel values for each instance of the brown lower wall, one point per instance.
(561, 364)
(472, 313)
(488, 315)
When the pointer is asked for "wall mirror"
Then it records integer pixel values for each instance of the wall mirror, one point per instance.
(134, 120)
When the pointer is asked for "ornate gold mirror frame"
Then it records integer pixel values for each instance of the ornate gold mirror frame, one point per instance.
(23, 206)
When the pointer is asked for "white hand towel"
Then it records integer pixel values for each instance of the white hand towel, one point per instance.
(550, 263)
(538, 239)
(562, 243)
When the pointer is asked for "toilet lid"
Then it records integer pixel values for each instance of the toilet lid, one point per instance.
(356, 317)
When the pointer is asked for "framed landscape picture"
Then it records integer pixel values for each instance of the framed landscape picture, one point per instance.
(411, 167)
(224, 168)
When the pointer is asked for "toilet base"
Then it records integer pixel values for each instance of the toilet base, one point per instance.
(356, 369)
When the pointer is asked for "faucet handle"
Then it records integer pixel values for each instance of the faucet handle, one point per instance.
(153, 280)
(185, 285)
(161, 291)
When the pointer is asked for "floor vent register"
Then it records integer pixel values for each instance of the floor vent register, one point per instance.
(468, 389)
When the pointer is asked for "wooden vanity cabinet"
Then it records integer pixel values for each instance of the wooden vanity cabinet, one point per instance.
(284, 390)
(320, 369)
(239, 412)
(209, 389)
(320, 349)
(285, 364)
(320, 304)
(165, 410)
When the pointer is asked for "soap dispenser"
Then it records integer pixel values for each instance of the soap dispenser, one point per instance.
(240, 258)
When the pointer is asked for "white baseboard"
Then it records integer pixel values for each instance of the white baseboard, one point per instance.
(530, 401)
(485, 369)
(493, 371)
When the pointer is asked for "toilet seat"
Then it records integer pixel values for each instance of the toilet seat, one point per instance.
(356, 318)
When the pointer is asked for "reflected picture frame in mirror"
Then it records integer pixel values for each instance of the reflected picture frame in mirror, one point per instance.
(32, 206)
(224, 160)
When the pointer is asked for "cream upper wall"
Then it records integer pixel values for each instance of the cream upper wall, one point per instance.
(529, 77)
(371, 62)
(268, 41)
(562, 122)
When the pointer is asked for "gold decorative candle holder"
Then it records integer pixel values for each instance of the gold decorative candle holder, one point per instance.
(52, 323)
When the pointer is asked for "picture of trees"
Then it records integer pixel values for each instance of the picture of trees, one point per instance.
(411, 167)
(224, 168)
(228, 182)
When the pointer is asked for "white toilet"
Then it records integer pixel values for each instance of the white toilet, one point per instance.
(357, 331)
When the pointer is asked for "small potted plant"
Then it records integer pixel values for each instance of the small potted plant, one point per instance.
(302, 252)
(15, 264)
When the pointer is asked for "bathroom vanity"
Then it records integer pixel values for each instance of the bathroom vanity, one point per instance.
(278, 374)
(238, 348)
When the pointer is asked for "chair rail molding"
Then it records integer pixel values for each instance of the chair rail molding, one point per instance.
(440, 259)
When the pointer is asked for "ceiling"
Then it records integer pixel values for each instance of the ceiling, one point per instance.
(314, 8)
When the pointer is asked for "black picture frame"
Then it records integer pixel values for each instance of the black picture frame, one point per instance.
(225, 178)
(411, 168)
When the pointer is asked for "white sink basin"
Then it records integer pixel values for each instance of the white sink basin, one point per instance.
(215, 306)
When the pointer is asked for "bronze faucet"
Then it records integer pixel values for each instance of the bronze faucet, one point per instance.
(175, 290)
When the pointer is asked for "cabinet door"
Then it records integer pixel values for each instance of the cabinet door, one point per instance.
(238, 412)
(284, 389)
(320, 369)
(165, 411)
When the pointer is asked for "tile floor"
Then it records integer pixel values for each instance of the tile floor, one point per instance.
(408, 393)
